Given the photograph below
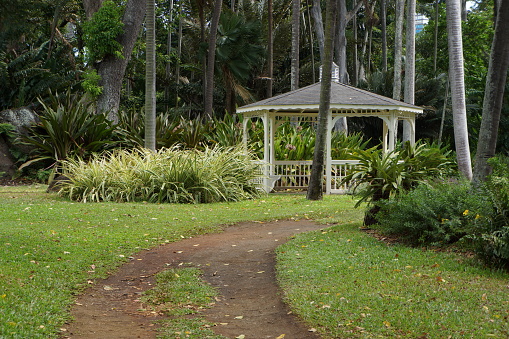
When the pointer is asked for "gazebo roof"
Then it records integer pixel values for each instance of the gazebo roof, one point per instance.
(343, 98)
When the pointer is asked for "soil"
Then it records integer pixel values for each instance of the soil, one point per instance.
(239, 262)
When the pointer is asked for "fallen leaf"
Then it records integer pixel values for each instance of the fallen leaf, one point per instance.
(240, 337)
(281, 336)
(239, 317)
(387, 324)
(312, 330)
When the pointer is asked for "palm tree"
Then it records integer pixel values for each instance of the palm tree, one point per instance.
(398, 47)
(238, 50)
(315, 189)
(295, 44)
(457, 78)
(150, 78)
(493, 94)
(211, 57)
(409, 96)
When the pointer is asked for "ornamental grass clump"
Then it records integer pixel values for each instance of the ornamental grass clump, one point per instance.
(167, 176)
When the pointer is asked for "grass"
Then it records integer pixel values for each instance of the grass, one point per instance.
(350, 285)
(180, 292)
(51, 248)
(341, 281)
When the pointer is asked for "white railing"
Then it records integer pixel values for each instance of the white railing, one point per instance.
(295, 174)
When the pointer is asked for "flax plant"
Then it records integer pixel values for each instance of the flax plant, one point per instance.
(169, 175)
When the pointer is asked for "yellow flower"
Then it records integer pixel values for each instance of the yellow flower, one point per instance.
(466, 212)
(477, 216)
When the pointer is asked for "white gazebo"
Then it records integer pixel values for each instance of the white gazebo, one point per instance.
(302, 105)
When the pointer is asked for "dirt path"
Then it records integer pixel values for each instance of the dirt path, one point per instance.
(239, 262)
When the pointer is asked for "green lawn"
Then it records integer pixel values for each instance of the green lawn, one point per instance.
(342, 281)
(50, 248)
(350, 285)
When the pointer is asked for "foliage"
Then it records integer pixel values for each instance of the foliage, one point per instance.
(102, 30)
(33, 74)
(437, 214)
(49, 245)
(380, 175)
(388, 290)
(491, 241)
(91, 83)
(68, 128)
(168, 176)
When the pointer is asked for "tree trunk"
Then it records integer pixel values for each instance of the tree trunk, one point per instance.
(295, 44)
(315, 189)
(316, 13)
(112, 69)
(150, 78)
(493, 94)
(409, 96)
(456, 72)
(383, 17)
(398, 49)
(341, 42)
(435, 45)
(464, 10)
(91, 6)
(168, 63)
(211, 58)
(270, 51)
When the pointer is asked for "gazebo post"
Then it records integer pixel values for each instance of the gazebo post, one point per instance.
(245, 133)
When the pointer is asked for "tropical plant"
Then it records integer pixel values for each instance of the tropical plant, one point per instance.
(438, 214)
(381, 176)
(169, 175)
(68, 128)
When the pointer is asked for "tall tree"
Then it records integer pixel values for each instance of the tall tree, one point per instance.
(295, 44)
(316, 13)
(343, 17)
(270, 50)
(493, 94)
(112, 68)
(211, 57)
(409, 93)
(398, 49)
(383, 18)
(457, 78)
(150, 77)
(315, 188)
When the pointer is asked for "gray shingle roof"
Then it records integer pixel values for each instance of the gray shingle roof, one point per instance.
(341, 95)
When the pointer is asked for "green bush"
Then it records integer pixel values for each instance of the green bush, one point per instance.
(435, 215)
(68, 128)
(492, 240)
(380, 176)
(170, 175)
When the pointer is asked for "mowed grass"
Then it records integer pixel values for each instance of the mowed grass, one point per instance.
(51, 249)
(350, 285)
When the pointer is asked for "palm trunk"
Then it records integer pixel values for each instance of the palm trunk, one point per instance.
(398, 49)
(315, 189)
(211, 58)
(270, 51)
(383, 18)
(295, 44)
(150, 78)
(493, 94)
(409, 96)
(456, 72)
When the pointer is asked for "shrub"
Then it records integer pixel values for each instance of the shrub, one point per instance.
(170, 175)
(492, 240)
(68, 128)
(435, 215)
(380, 176)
